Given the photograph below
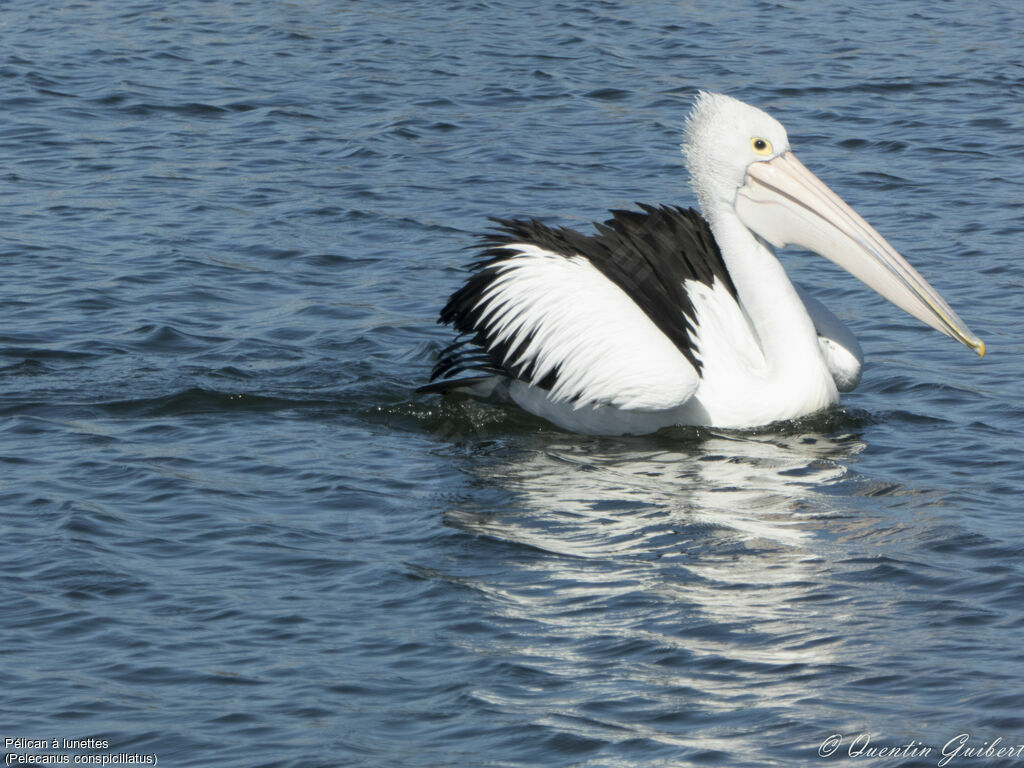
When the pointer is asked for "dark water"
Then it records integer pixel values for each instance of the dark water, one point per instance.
(233, 536)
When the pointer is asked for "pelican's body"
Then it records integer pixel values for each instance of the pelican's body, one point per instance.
(666, 317)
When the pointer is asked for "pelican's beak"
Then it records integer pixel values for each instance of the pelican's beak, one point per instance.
(785, 203)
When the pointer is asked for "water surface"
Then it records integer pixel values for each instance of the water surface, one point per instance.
(233, 535)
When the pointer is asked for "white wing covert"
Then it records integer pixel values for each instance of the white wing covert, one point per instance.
(558, 320)
(603, 319)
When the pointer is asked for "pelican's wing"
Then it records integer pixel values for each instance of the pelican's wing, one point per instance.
(603, 319)
(839, 347)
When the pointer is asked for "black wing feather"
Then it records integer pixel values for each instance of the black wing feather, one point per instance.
(649, 254)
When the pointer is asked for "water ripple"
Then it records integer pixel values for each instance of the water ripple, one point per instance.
(234, 535)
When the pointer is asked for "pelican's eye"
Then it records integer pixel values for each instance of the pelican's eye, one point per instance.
(761, 146)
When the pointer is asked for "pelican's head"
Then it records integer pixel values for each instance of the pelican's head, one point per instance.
(740, 162)
(723, 137)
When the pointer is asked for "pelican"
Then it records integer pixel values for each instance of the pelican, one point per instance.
(668, 317)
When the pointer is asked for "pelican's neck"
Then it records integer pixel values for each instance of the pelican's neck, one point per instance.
(785, 331)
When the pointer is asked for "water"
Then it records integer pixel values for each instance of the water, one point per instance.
(234, 536)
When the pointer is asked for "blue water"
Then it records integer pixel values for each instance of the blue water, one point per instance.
(232, 535)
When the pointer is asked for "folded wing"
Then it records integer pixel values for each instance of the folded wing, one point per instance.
(601, 319)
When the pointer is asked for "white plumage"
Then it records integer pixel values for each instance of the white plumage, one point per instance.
(667, 318)
(608, 351)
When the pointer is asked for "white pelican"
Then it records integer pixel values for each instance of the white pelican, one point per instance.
(666, 318)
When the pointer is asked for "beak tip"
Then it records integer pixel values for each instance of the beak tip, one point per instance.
(980, 348)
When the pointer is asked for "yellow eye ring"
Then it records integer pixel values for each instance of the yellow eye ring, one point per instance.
(761, 146)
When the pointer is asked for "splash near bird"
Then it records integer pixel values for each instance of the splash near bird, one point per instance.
(669, 317)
